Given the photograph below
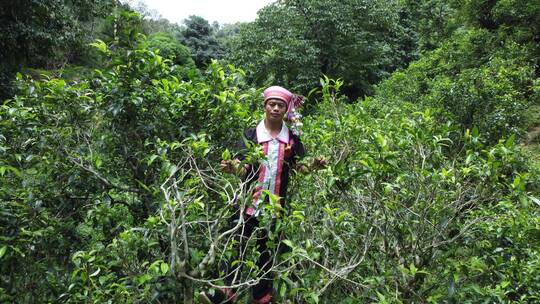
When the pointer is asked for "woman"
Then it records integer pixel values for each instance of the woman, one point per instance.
(282, 149)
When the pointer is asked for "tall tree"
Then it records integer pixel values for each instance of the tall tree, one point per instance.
(200, 38)
(44, 33)
(170, 47)
(293, 42)
(226, 35)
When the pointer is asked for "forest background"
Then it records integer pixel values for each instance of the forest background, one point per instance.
(113, 124)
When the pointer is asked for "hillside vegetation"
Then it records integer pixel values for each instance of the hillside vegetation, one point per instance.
(111, 189)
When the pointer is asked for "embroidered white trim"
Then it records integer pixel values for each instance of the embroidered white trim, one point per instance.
(263, 135)
(272, 158)
(271, 166)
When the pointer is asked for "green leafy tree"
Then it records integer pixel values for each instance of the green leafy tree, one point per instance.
(431, 22)
(199, 37)
(225, 35)
(106, 197)
(123, 28)
(294, 42)
(485, 74)
(407, 206)
(111, 189)
(162, 25)
(513, 20)
(170, 47)
(105, 139)
(44, 33)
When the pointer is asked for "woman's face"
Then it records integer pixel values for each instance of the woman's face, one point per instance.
(275, 109)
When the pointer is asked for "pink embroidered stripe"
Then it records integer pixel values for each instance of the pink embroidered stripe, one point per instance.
(258, 189)
(281, 154)
(250, 211)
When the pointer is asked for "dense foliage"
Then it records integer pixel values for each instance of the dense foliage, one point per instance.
(293, 42)
(491, 90)
(199, 36)
(485, 75)
(111, 190)
(411, 206)
(101, 142)
(45, 33)
(169, 47)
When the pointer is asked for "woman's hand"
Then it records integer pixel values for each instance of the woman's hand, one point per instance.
(233, 166)
(319, 162)
(230, 165)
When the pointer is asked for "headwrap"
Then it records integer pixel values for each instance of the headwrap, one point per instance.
(291, 100)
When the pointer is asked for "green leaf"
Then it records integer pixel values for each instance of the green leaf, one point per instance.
(282, 289)
(164, 268)
(102, 280)
(412, 269)
(382, 298)
(151, 159)
(381, 140)
(250, 264)
(510, 141)
(475, 132)
(535, 200)
(314, 297)
(143, 279)
(517, 181)
(226, 155)
(3, 251)
(98, 162)
(99, 45)
(288, 243)
(14, 170)
(95, 273)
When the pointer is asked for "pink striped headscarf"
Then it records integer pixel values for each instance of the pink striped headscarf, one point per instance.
(291, 100)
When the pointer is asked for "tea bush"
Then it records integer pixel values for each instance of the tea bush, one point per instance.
(111, 193)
